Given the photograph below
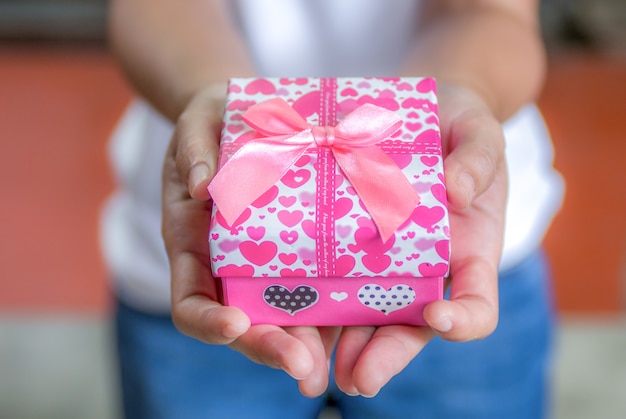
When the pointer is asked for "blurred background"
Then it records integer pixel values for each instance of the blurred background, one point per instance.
(60, 96)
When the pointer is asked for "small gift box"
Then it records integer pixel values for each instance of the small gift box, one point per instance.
(329, 201)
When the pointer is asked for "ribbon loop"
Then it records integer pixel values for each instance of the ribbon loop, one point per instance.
(385, 192)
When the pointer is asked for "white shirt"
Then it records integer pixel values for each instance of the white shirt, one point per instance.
(304, 38)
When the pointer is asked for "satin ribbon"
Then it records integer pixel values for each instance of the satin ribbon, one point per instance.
(285, 136)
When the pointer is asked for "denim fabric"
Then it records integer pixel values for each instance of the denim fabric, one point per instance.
(168, 375)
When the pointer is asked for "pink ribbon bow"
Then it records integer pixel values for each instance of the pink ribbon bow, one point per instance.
(260, 163)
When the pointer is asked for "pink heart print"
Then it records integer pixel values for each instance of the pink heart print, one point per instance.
(309, 228)
(376, 262)
(289, 237)
(235, 271)
(267, 197)
(402, 160)
(287, 201)
(439, 192)
(228, 245)
(367, 240)
(290, 218)
(288, 258)
(342, 207)
(308, 104)
(240, 220)
(413, 126)
(443, 249)
(255, 233)
(263, 86)
(296, 178)
(299, 81)
(427, 216)
(426, 85)
(429, 161)
(349, 92)
(303, 161)
(343, 265)
(287, 272)
(258, 254)
(239, 105)
(428, 269)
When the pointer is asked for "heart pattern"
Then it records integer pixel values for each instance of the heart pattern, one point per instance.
(338, 296)
(279, 233)
(384, 300)
(282, 298)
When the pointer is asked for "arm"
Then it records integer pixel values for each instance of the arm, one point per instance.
(493, 47)
(170, 52)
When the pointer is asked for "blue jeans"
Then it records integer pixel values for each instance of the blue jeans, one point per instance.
(168, 375)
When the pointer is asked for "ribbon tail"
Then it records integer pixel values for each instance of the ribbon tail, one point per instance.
(385, 191)
(249, 173)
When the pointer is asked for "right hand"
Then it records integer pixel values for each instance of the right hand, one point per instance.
(190, 163)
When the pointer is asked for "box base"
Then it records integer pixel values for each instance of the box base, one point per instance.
(332, 301)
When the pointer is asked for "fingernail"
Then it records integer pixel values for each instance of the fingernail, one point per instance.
(293, 375)
(352, 392)
(197, 175)
(232, 331)
(369, 396)
(444, 324)
(466, 182)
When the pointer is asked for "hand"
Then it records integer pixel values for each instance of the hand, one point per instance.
(475, 171)
(302, 352)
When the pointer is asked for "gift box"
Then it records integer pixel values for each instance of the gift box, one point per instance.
(330, 201)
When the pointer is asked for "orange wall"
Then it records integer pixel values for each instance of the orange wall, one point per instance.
(57, 107)
(584, 103)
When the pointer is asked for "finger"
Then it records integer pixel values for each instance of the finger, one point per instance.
(208, 321)
(388, 351)
(477, 151)
(197, 141)
(316, 383)
(349, 348)
(330, 336)
(195, 310)
(193, 290)
(472, 311)
(273, 346)
(477, 234)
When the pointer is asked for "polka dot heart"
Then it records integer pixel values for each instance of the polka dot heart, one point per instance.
(386, 300)
(282, 298)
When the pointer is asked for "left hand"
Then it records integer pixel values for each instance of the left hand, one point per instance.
(302, 352)
(475, 171)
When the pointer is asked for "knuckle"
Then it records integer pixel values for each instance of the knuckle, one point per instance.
(484, 159)
(179, 320)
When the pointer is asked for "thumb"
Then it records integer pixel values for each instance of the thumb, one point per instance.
(476, 144)
(196, 139)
